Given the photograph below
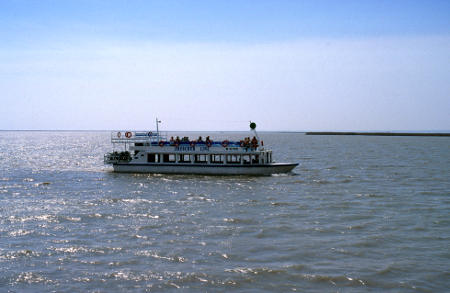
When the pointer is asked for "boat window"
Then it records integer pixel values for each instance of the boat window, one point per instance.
(216, 159)
(168, 158)
(152, 158)
(246, 159)
(200, 158)
(184, 159)
(255, 159)
(233, 159)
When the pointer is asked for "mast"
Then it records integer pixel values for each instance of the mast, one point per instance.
(253, 128)
(157, 127)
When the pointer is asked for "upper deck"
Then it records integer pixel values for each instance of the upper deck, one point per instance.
(146, 140)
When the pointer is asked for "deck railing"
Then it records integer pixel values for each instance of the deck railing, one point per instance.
(124, 136)
(161, 139)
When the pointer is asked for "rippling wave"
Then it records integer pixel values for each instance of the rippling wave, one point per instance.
(358, 214)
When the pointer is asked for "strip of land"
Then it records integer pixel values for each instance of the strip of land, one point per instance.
(378, 133)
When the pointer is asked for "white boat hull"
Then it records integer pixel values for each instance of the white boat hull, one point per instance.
(266, 169)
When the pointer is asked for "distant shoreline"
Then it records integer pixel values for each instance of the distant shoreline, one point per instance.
(377, 133)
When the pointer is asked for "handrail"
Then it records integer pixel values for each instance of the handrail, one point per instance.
(125, 136)
(155, 138)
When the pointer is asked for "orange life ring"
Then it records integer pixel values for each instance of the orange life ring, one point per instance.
(161, 143)
(128, 134)
(119, 134)
(225, 143)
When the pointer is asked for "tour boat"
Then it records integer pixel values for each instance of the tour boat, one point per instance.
(153, 152)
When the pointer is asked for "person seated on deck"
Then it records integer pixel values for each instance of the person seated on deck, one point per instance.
(247, 142)
(254, 142)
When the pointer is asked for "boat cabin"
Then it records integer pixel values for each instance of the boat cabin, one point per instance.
(154, 148)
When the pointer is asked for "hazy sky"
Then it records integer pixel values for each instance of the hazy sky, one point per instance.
(214, 65)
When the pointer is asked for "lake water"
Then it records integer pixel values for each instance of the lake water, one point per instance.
(358, 214)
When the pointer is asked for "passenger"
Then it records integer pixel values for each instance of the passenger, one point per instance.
(199, 139)
(254, 142)
(207, 139)
(177, 140)
(171, 140)
(247, 141)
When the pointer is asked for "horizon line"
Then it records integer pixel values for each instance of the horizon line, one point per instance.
(285, 131)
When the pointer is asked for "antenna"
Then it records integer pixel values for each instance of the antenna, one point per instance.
(157, 126)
